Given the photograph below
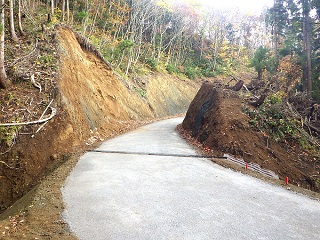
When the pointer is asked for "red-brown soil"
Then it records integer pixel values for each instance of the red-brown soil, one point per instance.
(215, 119)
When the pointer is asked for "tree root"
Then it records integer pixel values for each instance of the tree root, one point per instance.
(53, 113)
(4, 163)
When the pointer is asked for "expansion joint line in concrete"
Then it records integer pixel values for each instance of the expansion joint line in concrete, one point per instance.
(156, 154)
(251, 166)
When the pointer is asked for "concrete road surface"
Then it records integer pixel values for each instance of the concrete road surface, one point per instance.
(129, 194)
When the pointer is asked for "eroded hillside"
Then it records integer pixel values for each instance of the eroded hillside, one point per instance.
(92, 104)
(216, 120)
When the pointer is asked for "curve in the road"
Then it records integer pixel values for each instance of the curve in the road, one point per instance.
(133, 196)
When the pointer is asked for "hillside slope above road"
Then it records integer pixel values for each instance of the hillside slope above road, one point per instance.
(217, 120)
(121, 192)
(92, 104)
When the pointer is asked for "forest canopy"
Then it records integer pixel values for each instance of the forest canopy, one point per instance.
(181, 37)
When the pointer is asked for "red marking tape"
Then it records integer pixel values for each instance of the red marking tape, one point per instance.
(287, 180)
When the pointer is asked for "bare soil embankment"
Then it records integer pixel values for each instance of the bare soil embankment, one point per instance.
(93, 104)
(215, 120)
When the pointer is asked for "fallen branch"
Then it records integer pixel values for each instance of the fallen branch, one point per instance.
(312, 127)
(34, 83)
(233, 78)
(259, 102)
(2, 162)
(304, 123)
(42, 126)
(53, 113)
(44, 112)
(238, 86)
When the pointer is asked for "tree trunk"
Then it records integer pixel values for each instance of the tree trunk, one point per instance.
(260, 101)
(275, 30)
(238, 86)
(11, 22)
(63, 9)
(20, 18)
(68, 12)
(52, 7)
(3, 75)
(307, 46)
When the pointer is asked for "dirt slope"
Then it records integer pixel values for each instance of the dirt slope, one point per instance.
(215, 120)
(169, 96)
(92, 104)
(95, 98)
(91, 93)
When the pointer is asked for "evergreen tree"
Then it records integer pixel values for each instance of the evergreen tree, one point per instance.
(262, 61)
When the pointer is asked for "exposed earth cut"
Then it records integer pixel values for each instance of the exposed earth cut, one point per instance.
(93, 104)
(215, 120)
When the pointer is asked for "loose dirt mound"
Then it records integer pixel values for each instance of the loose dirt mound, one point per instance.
(215, 119)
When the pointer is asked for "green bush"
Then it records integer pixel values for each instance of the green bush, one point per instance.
(8, 135)
(172, 69)
(80, 16)
(269, 118)
(190, 73)
(208, 73)
(263, 60)
(151, 63)
(316, 89)
(125, 44)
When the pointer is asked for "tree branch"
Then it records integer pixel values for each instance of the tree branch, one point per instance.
(53, 113)
(4, 163)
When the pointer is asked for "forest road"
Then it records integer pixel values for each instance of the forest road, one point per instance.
(121, 191)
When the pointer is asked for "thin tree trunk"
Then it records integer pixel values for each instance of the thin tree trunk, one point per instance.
(307, 46)
(63, 9)
(11, 22)
(52, 8)
(94, 19)
(275, 30)
(308, 51)
(3, 75)
(86, 20)
(68, 12)
(20, 18)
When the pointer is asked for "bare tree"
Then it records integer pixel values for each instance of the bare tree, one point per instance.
(307, 45)
(20, 18)
(275, 29)
(52, 7)
(3, 75)
(63, 9)
(68, 11)
(11, 22)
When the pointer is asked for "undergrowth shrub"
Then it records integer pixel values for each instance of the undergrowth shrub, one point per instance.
(81, 16)
(274, 118)
(151, 63)
(171, 69)
(192, 72)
